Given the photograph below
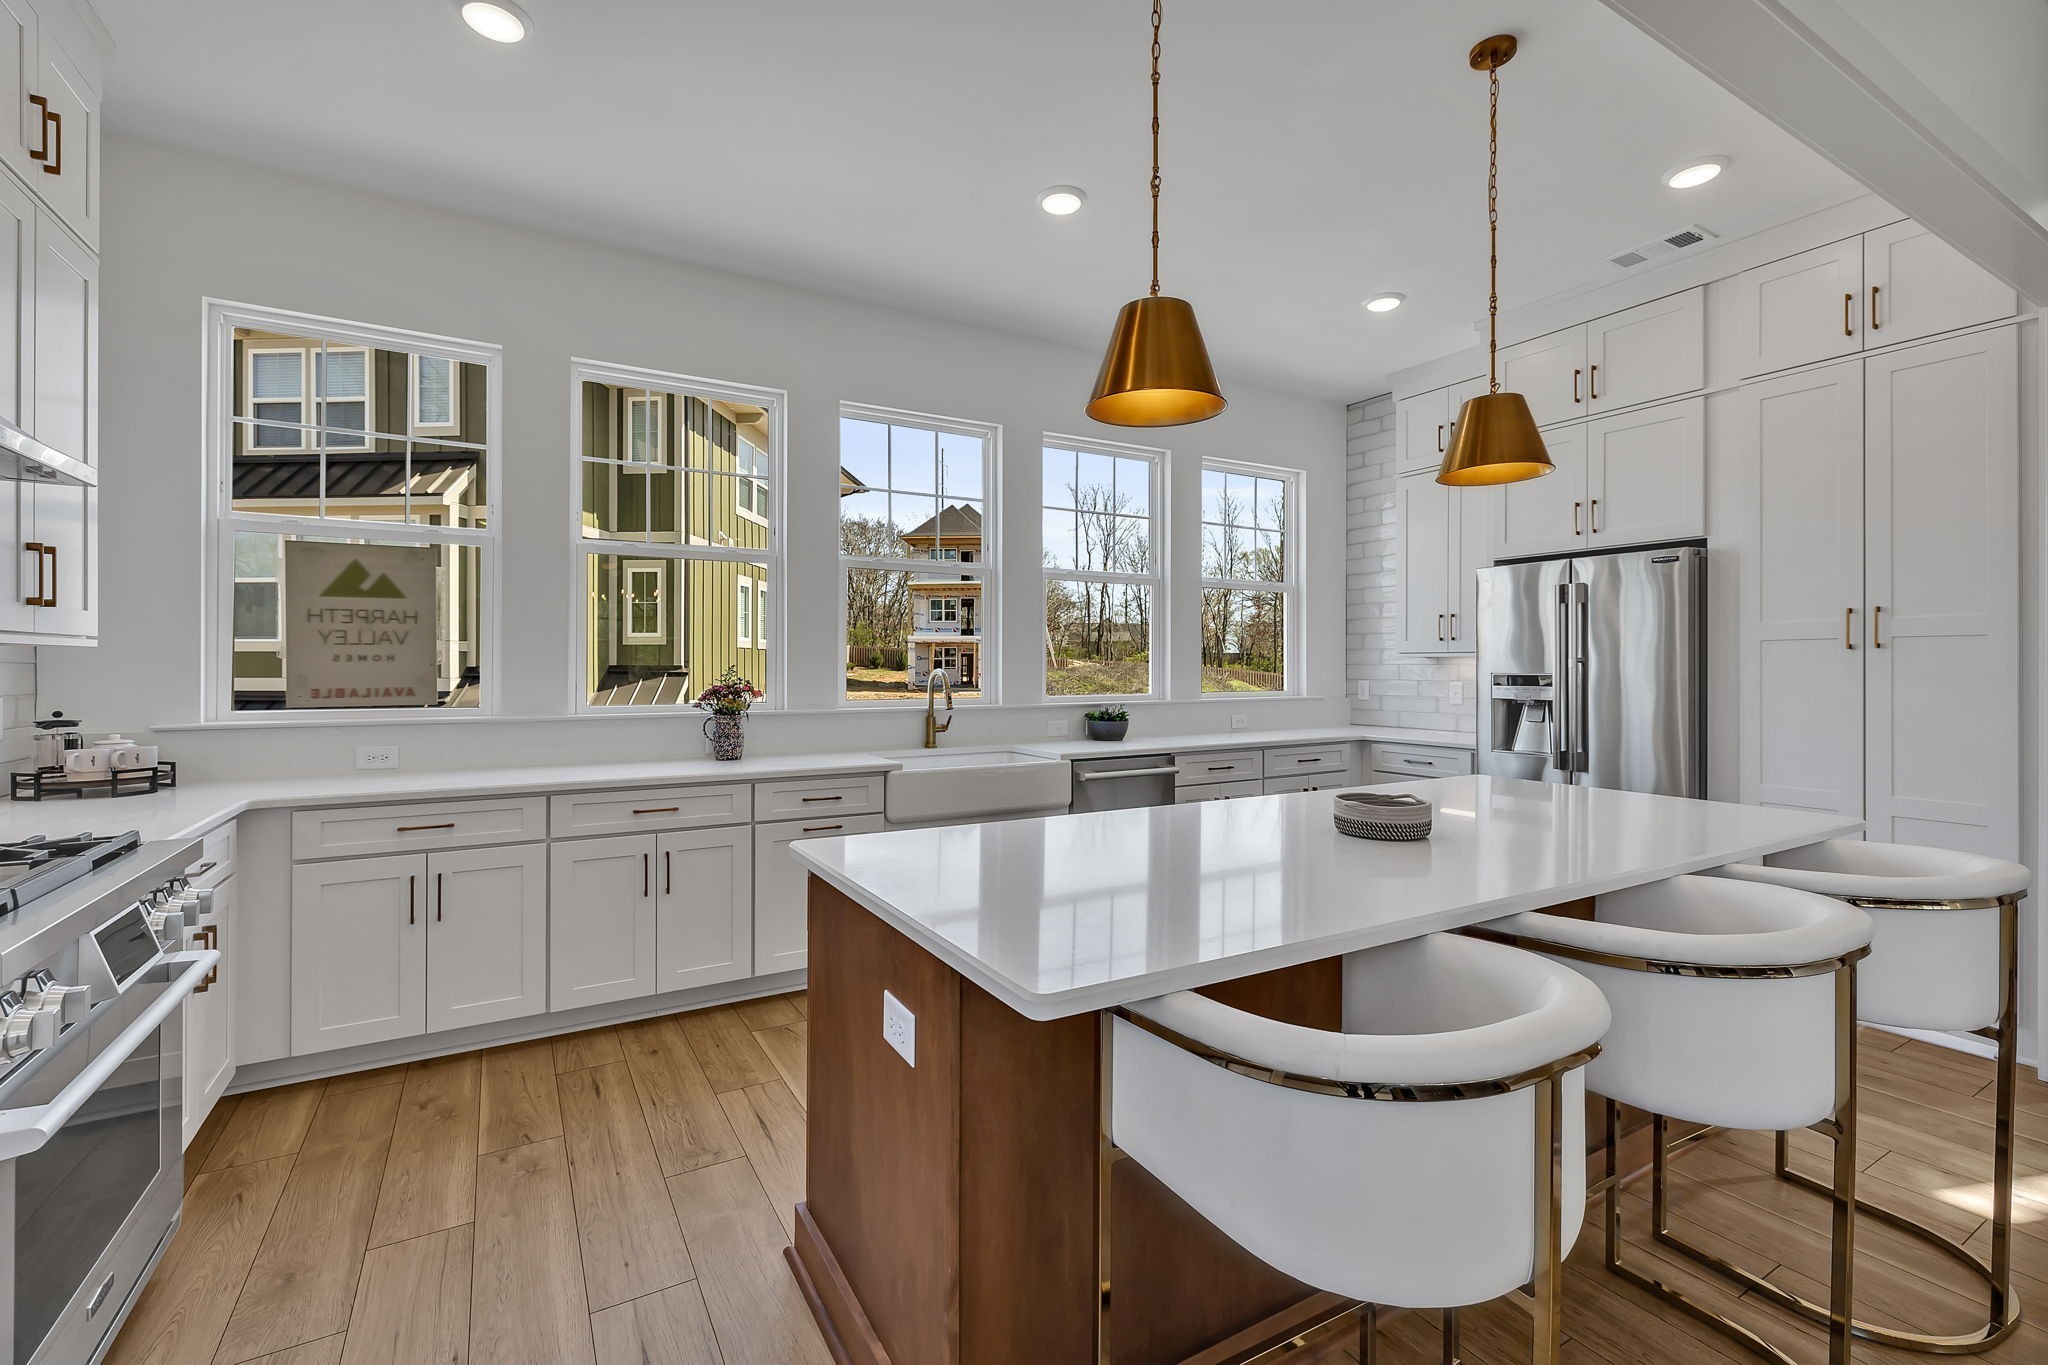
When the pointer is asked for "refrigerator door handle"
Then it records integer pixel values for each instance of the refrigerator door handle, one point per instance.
(1581, 717)
(1560, 700)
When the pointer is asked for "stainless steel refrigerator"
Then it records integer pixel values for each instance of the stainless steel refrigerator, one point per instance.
(1593, 670)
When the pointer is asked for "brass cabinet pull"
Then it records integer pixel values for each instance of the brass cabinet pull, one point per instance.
(1439, 438)
(35, 599)
(1848, 300)
(1874, 323)
(439, 898)
(809, 799)
(1848, 627)
(1454, 625)
(646, 872)
(51, 156)
(1593, 517)
(50, 594)
(656, 810)
(412, 900)
(207, 936)
(813, 829)
(1575, 385)
(1575, 519)
(1439, 626)
(1877, 627)
(414, 829)
(1593, 382)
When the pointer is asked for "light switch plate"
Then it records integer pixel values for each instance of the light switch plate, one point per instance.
(376, 756)
(899, 1028)
(1056, 729)
(1457, 694)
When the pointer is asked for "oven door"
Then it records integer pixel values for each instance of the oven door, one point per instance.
(93, 1183)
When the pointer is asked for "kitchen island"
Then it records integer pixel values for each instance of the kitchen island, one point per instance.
(950, 1216)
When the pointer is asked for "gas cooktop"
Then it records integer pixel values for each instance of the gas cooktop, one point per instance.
(38, 865)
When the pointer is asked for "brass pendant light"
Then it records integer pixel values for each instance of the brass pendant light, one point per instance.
(1496, 439)
(1156, 372)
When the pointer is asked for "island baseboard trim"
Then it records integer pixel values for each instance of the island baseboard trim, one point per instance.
(848, 1333)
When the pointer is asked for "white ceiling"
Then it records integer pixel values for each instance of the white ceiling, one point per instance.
(1316, 151)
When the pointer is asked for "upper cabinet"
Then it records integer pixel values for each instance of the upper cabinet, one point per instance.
(1425, 424)
(1446, 536)
(1632, 478)
(1639, 355)
(1899, 283)
(52, 142)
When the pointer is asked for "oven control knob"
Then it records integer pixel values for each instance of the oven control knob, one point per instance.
(160, 922)
(70, 1004)
(26, 1030)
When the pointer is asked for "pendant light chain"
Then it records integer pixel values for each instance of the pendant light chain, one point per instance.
(1157, 18)
(1492, 228)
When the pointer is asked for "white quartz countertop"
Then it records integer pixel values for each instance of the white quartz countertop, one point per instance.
(1063, 914)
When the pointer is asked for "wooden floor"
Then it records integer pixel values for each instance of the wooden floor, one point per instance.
(624, 1195)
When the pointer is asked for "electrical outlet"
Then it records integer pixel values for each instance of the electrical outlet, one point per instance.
(1457, 693)
(899, 1028)
(1056, 729)
(376, 755)
(1239, 721)
(1365, 691)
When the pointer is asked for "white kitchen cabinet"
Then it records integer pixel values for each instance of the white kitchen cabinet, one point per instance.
(1454, 406)
(1287, 786)
(1646, 475)
(20, 30)
(67, 175)
(1799, 310)
(487, 935)
(782, 888)
(66, 389)
(704, 921)
(209, 1013)
(1916, 285)
(1802, 608)
(1550, 372)
(1942, 575)
(1444, 536)
(1546, 515)
(1645, 354)
(359, 952)
(63, 520)
(601, 920)
(1421, 431)
(1218, 791)
(18, 265)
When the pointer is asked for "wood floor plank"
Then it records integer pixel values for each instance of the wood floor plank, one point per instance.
(186, 1305)
(368, 1080)
(802, 1002)
(788, 1047)
(737, 1242)
(771, 1127)
(682, 1111)
(326, 1351)
(767, 1012)
(628, 1232)
(202, 1143)
(413, 1307)
(430, 1175)
(596, 1047)
(665, 1328)
(527, 1302)
(265, 1124)
(518, 1103)
(726, 1049)
(303, 1283)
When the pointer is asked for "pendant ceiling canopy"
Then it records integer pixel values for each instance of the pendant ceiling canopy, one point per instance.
(1156, 372)
(1495, 440)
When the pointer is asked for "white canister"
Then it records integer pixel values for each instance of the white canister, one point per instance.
(86, 762)
(133, 756)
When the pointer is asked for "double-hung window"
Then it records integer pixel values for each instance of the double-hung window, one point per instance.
(916, 540)
(354, 555)
(673, 475)
(1104, 592)
(1250, 553)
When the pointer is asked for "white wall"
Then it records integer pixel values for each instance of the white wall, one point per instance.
(180, 227)
(17, 702)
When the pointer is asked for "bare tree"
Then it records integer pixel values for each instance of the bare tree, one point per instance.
(877, 600)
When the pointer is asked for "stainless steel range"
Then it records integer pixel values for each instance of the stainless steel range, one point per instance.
(91, 1083)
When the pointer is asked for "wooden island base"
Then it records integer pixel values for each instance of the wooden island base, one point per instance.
(951, 1205)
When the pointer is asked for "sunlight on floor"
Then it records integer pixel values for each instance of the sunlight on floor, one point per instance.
(2030, 1198)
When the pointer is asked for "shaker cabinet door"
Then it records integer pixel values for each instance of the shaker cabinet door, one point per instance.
(1646, 475)
(359, 952)
(1422, 515)
(1547, 515)
(487, 940)
(600, 920)
(1549, 371)
(1916, 285)
(1802, 309)
(1421, 431)
(704, 930)
(782, 888)
(1641, 355)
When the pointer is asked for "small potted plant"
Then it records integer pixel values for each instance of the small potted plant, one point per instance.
(727, 700)
(1108, 722)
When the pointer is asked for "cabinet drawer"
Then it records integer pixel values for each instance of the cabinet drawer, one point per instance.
(1287, 786)
(1309, 758)
(649, 808)
(1391, 760)
(1217, 791)
(1229, 766)
(821, 796)
(353, 830)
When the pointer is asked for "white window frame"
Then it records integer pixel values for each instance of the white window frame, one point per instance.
(745, 592)
(454, 422)
(312, 406)
(664, 384)
(657, 429)
(627, 568)
(1289, 589)
(981, 568)
(751, 484)
(1155, 579)
(222, 521)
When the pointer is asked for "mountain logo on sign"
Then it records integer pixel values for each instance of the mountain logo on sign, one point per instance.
(355, 581)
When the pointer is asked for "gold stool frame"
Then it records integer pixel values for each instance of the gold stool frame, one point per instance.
(1546, 1285)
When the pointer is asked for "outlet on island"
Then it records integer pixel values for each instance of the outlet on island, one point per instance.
(376, 756)
(899, 1028)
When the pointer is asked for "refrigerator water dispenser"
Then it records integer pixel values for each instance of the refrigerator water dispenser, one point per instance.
(1522, 713)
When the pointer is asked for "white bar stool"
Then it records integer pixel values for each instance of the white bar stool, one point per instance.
(1946, 957)
(1426, 1157)
(1734, 1006)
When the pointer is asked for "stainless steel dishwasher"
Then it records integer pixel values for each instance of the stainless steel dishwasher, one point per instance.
(1123, 782)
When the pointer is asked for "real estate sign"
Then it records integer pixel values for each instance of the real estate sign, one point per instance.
(359, 625)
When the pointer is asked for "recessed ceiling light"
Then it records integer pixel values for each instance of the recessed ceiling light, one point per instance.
(1062, 200)
(1384, 303)
(1695, 173)
(499, 20)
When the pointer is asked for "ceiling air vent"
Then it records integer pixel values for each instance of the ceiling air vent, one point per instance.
(1660, 247)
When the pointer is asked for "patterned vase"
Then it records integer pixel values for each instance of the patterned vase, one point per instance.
(727, 736)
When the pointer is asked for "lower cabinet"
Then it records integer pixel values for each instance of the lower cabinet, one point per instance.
(1217, 791)
(209, 1016)
(643, 913)
(782, 889)
(396, 946)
